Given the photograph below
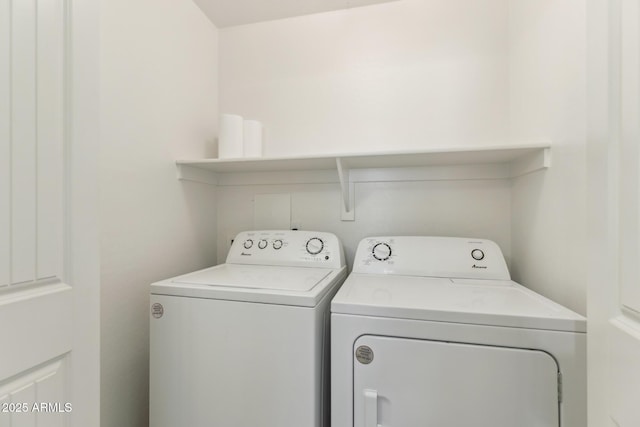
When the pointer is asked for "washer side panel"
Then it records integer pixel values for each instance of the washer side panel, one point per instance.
(231, 363)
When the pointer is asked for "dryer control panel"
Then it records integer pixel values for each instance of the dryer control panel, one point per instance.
(454, 257)
(287, 248)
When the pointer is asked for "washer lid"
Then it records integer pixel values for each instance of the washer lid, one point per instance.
(472, 301)
(254, 283)
(257, 277)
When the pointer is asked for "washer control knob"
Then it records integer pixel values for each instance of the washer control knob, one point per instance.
(262, 244)
(315, 245)
(277, 244)
(248, 244)
(477, 254)
(381, 251)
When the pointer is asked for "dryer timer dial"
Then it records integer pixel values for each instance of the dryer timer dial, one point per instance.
(477, 254)
(381, 251)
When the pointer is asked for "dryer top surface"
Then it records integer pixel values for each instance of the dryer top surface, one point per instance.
(473, 301)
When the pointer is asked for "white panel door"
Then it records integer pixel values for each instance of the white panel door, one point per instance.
(624, 323)
(23, 124)
(409, 383)
(613, 269)
(5, 143)
(630, 157)
(37, 304)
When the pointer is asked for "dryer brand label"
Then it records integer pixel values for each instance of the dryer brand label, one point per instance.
(157, 310)
(364, 354)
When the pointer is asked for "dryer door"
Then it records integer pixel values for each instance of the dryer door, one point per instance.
(409, 383)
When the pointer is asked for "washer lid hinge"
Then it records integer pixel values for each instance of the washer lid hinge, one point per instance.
(559, 387)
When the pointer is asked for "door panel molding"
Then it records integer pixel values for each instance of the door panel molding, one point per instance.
(5, 145)
(24, 69)
(38, 326)
(32, 139)
(42, 390)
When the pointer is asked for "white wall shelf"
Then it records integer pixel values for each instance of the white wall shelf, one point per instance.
(496, 162)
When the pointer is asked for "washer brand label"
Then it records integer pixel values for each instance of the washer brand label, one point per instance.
(364, 354)
(157, 310)
(479, 266)
(244, 254)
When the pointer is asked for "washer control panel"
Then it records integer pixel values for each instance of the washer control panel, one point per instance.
(287, 248)
(452, 257)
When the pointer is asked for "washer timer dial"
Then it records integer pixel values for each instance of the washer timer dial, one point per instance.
(315, 245)
(381, 251)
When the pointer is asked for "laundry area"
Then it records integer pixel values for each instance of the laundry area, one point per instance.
(293, 213)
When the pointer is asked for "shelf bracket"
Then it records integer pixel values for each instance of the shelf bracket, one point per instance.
(195, 174)
(531, 163)
(347, 187)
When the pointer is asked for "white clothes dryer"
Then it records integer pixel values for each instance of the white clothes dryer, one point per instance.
(246, 343)
(431, 331)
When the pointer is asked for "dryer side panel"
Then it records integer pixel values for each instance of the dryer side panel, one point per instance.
(408, 382)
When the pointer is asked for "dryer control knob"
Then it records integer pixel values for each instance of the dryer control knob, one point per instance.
(277, 244)
(381, 251)
(248, 244)
(262, 244)
(315, 245)
(477, 254)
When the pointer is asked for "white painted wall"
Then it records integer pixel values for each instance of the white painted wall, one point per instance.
(399, 75)
(547, 57)
(158, 103)
(438, 208)
(415, 74)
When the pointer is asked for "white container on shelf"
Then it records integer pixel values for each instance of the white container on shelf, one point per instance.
(231, 139)
(252, 138)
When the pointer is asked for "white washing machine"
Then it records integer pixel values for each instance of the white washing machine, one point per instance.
(246, 343)
(431, 331)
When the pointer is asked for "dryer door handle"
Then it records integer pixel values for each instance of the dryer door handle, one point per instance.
(371, 408)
